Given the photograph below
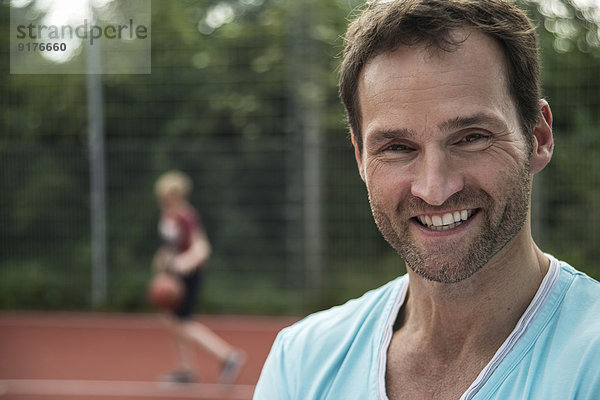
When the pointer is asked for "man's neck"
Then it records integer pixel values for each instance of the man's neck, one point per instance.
(481, 311)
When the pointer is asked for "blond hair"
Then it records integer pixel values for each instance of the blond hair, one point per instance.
(173, 182)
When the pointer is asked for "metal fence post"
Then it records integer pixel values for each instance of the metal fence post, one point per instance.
(95, 110)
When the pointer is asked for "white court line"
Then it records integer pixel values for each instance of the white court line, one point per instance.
(53, 387)
(138, 321)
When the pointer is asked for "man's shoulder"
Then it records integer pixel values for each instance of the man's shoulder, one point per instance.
(582, 299)
(345, 320)
(568, 345)
(582, 286)
(332, 351)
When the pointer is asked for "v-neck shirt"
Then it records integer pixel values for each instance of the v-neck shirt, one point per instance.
(341, 353)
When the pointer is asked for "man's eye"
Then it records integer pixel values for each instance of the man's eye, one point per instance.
(398, 147)
(474, 137)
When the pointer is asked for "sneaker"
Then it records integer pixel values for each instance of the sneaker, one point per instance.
(179, 377)
(232, 367)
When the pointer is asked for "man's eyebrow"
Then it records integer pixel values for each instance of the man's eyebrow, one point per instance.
(480, 119)
(390, 134)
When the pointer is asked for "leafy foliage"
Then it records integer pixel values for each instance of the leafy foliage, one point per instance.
(232, 84)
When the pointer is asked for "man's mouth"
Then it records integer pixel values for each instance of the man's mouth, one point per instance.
(445, 221)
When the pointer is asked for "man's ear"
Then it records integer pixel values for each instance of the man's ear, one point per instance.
(357, 155)
(543, 144)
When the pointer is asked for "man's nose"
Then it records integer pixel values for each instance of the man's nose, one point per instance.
(436, 178)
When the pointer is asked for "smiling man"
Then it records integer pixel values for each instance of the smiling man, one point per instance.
(448, 129)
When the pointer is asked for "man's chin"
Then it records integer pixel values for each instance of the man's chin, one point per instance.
(441, 269)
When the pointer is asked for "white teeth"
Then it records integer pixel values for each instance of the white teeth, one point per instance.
(464, 214)
(428, 220)
(446, 221)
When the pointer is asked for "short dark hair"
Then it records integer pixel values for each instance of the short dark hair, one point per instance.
(386, 25)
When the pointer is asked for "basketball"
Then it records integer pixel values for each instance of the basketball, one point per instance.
(165, 291)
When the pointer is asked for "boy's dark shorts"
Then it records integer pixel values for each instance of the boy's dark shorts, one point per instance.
(192, 283)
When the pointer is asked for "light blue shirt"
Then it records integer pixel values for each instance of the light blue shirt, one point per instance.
(340, 353)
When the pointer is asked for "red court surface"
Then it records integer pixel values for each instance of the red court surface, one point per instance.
(68, 356)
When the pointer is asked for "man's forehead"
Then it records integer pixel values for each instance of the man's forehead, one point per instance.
(415, 65)
(468, 44)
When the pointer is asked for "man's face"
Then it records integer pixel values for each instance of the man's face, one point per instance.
(444, 159)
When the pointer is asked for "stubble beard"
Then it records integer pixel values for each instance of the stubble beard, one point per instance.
(451, 263)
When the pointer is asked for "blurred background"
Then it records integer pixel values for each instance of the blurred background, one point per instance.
(242, 96)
